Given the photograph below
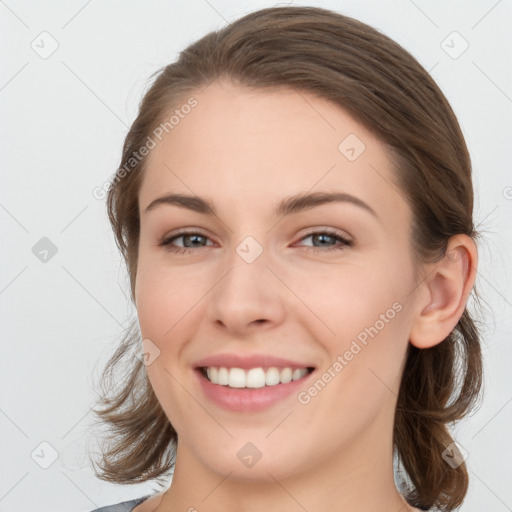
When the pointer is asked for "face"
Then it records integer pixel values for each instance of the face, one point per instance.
(315, 290)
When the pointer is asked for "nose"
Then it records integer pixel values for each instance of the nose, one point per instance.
(249, 296)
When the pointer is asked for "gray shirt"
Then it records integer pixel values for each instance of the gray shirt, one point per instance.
(125, 506)
(128, 506)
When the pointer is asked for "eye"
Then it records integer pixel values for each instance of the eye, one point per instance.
(328, 241)
(190, 240)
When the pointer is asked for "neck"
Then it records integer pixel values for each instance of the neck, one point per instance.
(356, 477)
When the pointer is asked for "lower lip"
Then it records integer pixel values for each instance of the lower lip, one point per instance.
(249, 399)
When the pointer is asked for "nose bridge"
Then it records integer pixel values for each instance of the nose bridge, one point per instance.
(247, 276)
(248, 291)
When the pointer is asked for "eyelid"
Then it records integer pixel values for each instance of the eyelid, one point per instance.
(328, 231)
(342, 238)
(183, 232)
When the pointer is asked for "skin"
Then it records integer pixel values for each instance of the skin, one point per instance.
(245, 150)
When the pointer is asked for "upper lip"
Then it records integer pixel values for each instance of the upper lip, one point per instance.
(249, 361)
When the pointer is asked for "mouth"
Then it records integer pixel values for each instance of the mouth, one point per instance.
(251, 382)
(253, 378)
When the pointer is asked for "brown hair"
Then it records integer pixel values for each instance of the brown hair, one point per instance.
(385, 89)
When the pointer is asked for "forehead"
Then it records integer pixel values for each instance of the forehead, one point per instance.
(241, 143)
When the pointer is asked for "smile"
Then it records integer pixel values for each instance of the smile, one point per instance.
(254, 377)
(251, 389)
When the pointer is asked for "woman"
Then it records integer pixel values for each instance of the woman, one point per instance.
(294, 205)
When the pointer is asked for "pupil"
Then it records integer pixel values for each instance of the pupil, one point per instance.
(322, 238)
(194, 239)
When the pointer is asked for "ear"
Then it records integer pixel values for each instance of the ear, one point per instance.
(443, 294)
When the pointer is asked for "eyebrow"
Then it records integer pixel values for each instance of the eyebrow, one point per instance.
(293, 204)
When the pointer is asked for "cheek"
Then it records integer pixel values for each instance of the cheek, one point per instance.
(348, 298)
(360, 314)
(164, 309)
(162, 300)
(372, 338)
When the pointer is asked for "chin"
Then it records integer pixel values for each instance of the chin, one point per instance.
(256, 462)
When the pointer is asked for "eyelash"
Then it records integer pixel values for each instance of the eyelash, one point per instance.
(166, 242)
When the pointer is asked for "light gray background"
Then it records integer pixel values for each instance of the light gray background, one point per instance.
(63, 121)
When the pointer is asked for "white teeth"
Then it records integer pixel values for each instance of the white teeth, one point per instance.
(286, 375)
(237, 378)
(222, 376)
(272, 377)
(253, 378)
(298, 373)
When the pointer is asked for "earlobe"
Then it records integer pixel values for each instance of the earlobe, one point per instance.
(444, 293)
